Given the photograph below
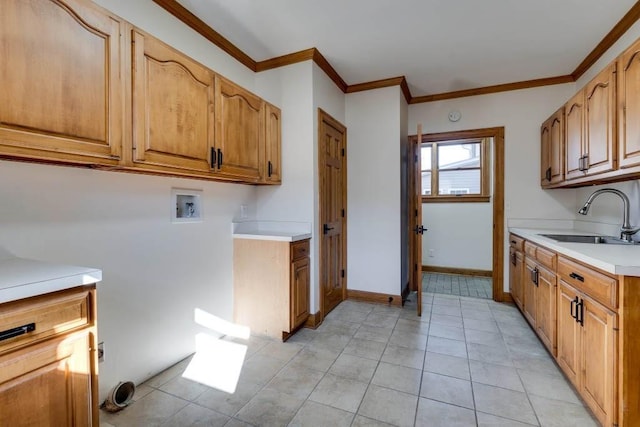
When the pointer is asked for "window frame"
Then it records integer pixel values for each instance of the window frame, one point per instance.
(485, 172)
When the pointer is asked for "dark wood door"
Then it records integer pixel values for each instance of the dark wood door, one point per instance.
(332, 171)
(416, 231)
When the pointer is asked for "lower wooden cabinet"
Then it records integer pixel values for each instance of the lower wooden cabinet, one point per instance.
(530, 291)
(546, 307)
(48, 376)
(516, 277)
(271, 285)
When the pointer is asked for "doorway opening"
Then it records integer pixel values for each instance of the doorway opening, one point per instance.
(464, 167)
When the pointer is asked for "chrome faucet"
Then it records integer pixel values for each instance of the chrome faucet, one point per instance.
(626, 231)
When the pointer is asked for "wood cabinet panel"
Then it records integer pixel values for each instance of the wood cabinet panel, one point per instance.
(300, 276)
(546, 311)
(515, 277)
(516, 242)
(529, 291)
(48, 384)
(629, 107)
(173, 102)
(273, 145)
(600, 122)
(239, 132)
(599, 286)
(598, 341)
(568, 333)
(574, 122)
(552, 149)
(61, 82)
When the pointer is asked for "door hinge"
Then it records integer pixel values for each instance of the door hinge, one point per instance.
(415, 159)
(342, 152)
(342, 274)
(416, 214)
(342, 213)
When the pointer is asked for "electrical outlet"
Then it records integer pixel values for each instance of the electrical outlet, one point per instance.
(101, 352)
(431, 253)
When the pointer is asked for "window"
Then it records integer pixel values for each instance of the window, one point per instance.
(458, 169)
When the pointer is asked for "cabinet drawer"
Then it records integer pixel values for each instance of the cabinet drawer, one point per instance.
(44, 317)
(598, 286)
(546, 257)
(516, 242)
(299, 249)
(530, 250)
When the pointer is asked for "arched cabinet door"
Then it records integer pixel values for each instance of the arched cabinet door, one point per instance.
(173, 108)
(62, 91)
(629, 107)
(600, 121)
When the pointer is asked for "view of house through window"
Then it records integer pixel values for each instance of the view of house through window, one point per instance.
(458, 169)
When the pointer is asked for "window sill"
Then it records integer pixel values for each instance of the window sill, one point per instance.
(457, 199)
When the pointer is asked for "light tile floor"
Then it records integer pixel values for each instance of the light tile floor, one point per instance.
(465, 362)
(456, 284)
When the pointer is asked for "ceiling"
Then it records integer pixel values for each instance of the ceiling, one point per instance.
(438, 45)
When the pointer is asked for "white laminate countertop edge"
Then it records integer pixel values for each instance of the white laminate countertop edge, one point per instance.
(614, 259)
(282, 236)
(23, 278)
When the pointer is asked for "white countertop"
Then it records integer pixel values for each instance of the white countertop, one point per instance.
(284, 231)
(614, 259)
(23, 278)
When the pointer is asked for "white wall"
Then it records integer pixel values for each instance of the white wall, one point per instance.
(155, 272)
(521, 113)
(373, 120)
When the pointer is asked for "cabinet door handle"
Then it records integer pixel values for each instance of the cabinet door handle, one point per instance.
(269, 169)
(513, 242)
(219, 158)
(15, 332)
(576, 277)
(574, 302)
(513, 258)
(534, 276)
(580, 312)
(213, 157)
(548, 174)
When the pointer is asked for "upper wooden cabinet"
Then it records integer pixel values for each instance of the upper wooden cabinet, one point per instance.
(552, 159)
(173, 107)
(61, 91)
(590, 127)
(629, 107)
(600, 123)
(273, 144)
(239, 132)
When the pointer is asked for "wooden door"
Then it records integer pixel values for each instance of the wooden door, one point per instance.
(515, 276)
(300, 275)
(545, 153)
(600, 124)
(273, 145)
(172, 107)
(598, 361)
(62, 87)
(529, 291)
(629, 107)
(418, 228)
(333, 190)
(568, 333)
(556, 147)
(574, 122)
(546, 311)
(240, 132)
(47, 384)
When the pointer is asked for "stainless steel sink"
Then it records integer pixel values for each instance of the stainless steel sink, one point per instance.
(574, 238)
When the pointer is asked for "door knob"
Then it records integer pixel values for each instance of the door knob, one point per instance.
(326, 228)
(420, 229)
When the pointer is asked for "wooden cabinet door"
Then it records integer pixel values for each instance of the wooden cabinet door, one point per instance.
(599, 343)
(568, 333)
(273, 145)
(546, 308)
(47, 384)
(515, 276)
(529, 291)
(239, 134)
(556, 147)
(173, 102)
(574, 128)
(599, 139)
(629, 107)
(62, 91)
(545, 153)
(300, 277)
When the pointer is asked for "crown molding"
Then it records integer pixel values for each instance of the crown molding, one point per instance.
(188, 18)
(493, 89)
(199, 26)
